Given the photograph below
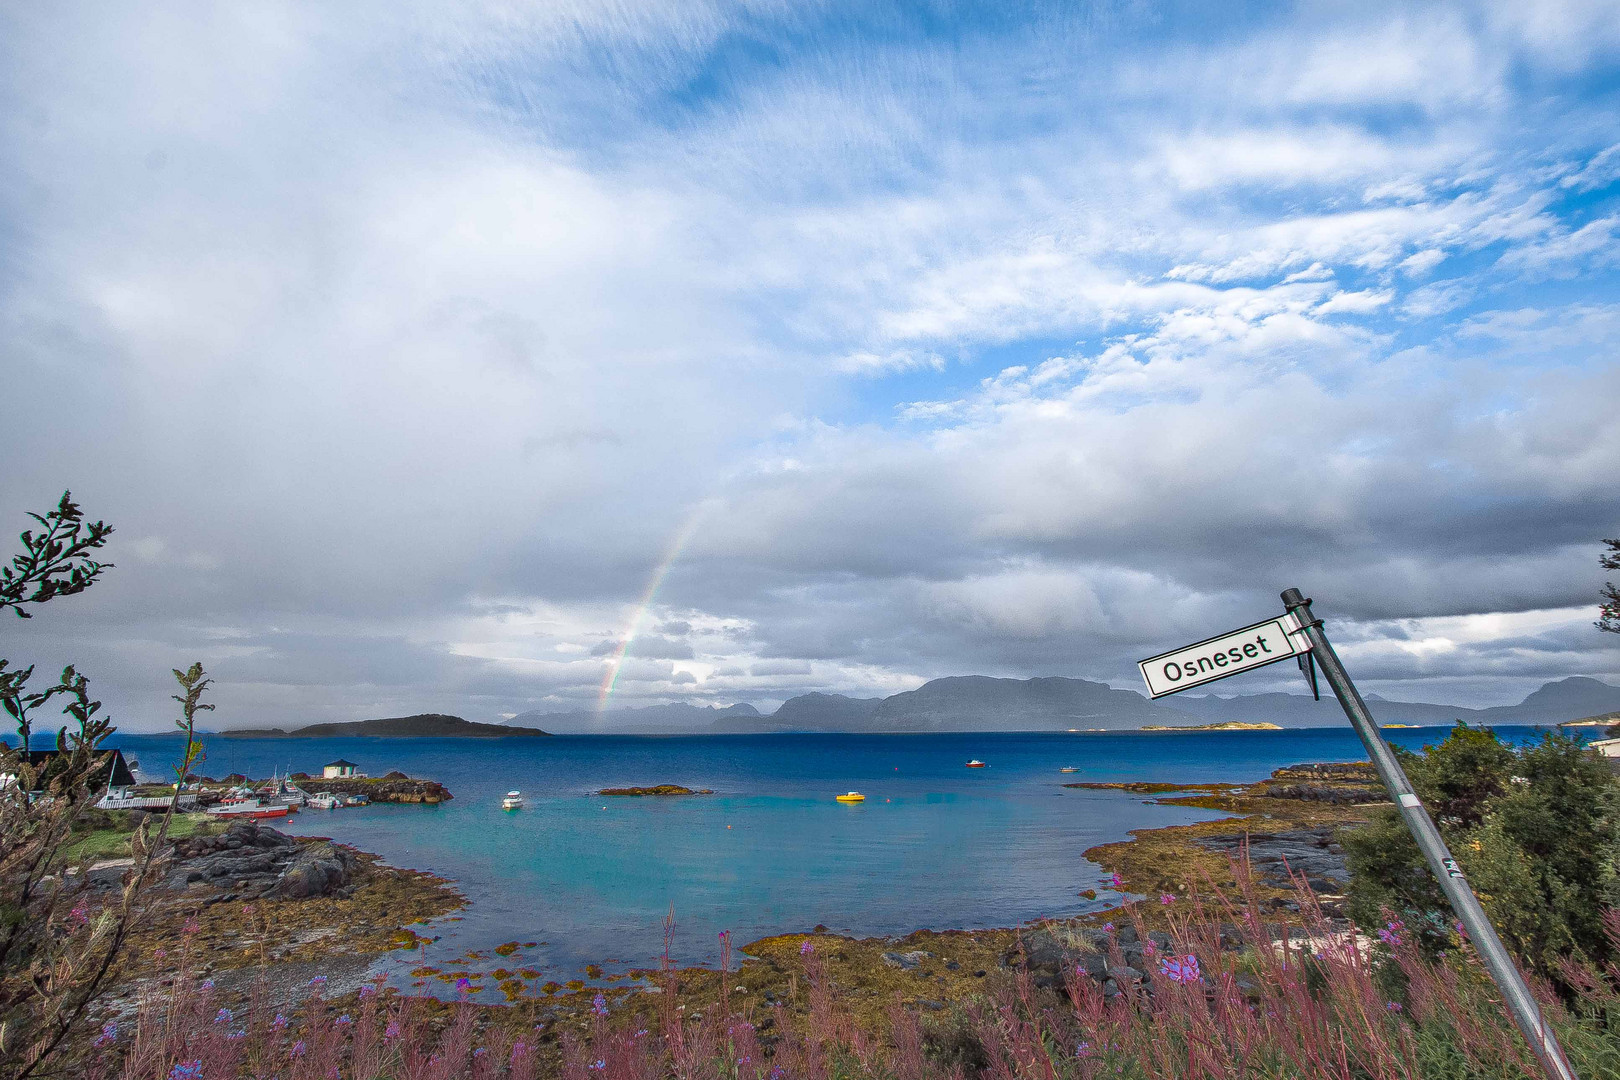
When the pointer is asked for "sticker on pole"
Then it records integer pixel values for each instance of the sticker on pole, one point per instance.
(1229, 654)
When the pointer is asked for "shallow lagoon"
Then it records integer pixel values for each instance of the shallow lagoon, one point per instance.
(935, 845)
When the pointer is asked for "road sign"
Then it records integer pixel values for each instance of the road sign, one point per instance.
(1227, 654)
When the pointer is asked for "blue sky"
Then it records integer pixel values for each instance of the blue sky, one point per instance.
(410, 345)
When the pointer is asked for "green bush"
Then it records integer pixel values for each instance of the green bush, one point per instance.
(1534, 829)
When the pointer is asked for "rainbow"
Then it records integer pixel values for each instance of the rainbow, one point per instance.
(638, 614)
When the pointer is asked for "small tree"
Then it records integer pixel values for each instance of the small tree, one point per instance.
(57, 948)
(1609, 610)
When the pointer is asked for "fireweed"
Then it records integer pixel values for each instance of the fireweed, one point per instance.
(1233, 997)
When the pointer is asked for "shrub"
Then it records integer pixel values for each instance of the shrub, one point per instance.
(1534, 828)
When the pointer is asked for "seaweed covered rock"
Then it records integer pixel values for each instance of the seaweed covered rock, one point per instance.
(249, 860)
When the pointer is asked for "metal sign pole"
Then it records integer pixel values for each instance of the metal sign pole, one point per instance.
(1520, 1001)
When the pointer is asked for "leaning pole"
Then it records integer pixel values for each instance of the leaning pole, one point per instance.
(1520, 1001)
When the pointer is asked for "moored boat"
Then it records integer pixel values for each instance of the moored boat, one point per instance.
(513, 801)
(324, 800)
(251, 809)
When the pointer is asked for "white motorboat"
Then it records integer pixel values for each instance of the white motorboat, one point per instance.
(513, 801)
(324, 800)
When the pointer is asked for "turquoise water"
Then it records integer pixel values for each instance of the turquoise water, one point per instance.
(935, 845)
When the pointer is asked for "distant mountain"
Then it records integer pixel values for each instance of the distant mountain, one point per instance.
(1553, 703)
(824, 712)
(677, 719)
(420, 726)
(980, 703)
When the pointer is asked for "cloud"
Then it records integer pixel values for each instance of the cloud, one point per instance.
(414, 353)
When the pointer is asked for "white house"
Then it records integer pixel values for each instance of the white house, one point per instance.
(341, 769)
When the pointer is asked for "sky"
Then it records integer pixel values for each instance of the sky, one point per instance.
(494, 357)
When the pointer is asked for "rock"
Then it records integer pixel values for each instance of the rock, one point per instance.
(317, 870)
(1276, 856)
(251, 860)
(906, 961)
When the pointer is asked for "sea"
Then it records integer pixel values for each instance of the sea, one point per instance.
(936, 845)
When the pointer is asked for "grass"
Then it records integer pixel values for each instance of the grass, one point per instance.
(112, 841)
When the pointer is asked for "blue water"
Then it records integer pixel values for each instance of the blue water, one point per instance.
(935, 845)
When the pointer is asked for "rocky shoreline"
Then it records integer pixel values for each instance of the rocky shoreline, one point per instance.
(263, 905)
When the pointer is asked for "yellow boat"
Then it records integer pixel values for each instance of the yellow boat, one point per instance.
(853, 796)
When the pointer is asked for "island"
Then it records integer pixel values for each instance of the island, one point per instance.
(1227, 725)
(1387, 727)
(420, 726)
(659, 789)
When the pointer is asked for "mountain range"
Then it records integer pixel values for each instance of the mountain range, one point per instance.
(981, 703)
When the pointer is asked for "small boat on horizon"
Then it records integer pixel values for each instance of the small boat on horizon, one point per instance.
(1068, 768)
(976, 764)
(513, 801)
(852, 797)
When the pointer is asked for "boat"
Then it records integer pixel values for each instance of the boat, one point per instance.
(280, 791)
(852, 796)
(976, 764)
(251, 809)
(513, 801)
(324, 800)
(1068, 768)
(356, 800)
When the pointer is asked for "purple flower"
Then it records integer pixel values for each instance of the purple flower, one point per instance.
(1116, 882)
(1391, 933)
(1083, 1050)
(207, 984)
(80, 913)
(1462, 931)
(159, 954)
(342, 1020)
(1182, 969)
(186, 1070)
(1108, 927)
(298, 1048)
(109, 1032)
(191, 926)
(279, 1023)
(599, 1005)
(640, 1033)
(1149, 949)
(368, 991)
(463, 985)
(480, 1052)
(223, 1016)
(600, 1064)
(520, 1050)
(1393, 1006)
(318, 981)
(1166, 898)
(392, 1030)
(806, 949)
